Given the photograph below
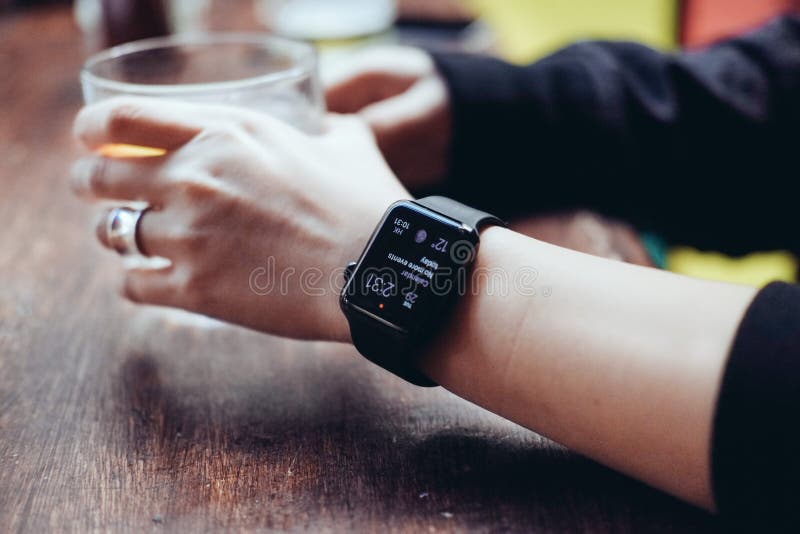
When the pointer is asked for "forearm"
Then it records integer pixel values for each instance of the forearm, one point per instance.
(617, 362)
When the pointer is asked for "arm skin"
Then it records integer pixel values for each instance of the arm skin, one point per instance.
(620, 363)
(692, 145)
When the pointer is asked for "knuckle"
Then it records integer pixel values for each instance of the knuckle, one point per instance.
(81, 130)
(221, 134)
(122, 118)
(194, 289)
(185, 236)
(97, 175)
(198, 192)
(179, 173)
(195, 243)
(204, 204)
(248, 126)
(131, 289)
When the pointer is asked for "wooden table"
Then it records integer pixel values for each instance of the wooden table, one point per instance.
(114, 417)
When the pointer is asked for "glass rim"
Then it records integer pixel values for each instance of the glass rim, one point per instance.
(304, 53)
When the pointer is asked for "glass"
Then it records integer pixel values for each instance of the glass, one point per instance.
(328, 19)
(269, 74)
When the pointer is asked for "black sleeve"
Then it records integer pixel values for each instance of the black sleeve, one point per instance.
(756, 442)
(697, 146)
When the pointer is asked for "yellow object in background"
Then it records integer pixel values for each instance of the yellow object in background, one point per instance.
(757, 269)
(529, 29)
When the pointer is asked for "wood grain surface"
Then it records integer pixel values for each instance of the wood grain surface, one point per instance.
(120, 418)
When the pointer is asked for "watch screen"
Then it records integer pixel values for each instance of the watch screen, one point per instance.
(414, 264)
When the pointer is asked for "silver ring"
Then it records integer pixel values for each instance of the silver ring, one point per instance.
(121, 229)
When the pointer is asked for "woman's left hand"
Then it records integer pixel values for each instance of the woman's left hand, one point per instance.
(257, 218)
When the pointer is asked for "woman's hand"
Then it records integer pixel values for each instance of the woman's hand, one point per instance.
(406, 103)
(257, 218)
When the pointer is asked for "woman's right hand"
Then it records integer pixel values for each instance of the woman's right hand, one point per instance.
(257, 218)
(399, 93)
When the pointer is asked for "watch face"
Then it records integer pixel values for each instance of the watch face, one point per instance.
(415, 263)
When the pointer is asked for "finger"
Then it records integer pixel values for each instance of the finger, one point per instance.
(392, 60)
(421, 99)
(152, 286)
(119, 179)
(152, 233)
(372, 76)
(137, 121)
(352, 95)
(153, 122)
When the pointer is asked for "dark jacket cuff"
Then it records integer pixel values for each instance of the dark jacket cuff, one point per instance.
(755, 454)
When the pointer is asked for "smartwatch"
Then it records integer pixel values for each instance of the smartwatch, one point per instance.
(397, 296)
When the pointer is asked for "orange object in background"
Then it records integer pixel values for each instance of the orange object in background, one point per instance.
(706, 21)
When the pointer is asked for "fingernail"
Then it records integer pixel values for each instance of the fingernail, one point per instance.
(80, 175)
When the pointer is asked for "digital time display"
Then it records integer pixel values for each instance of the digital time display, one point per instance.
(413, 266)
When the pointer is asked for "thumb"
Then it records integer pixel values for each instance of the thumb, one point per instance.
(371, 76)
(422, 99)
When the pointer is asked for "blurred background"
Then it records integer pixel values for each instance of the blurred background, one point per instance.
(519, 31)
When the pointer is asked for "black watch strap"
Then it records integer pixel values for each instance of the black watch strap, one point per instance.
(387, 348)
(460, 212)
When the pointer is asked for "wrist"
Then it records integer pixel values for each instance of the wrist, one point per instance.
(356, 228)
(445, 359)
(399, 292)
